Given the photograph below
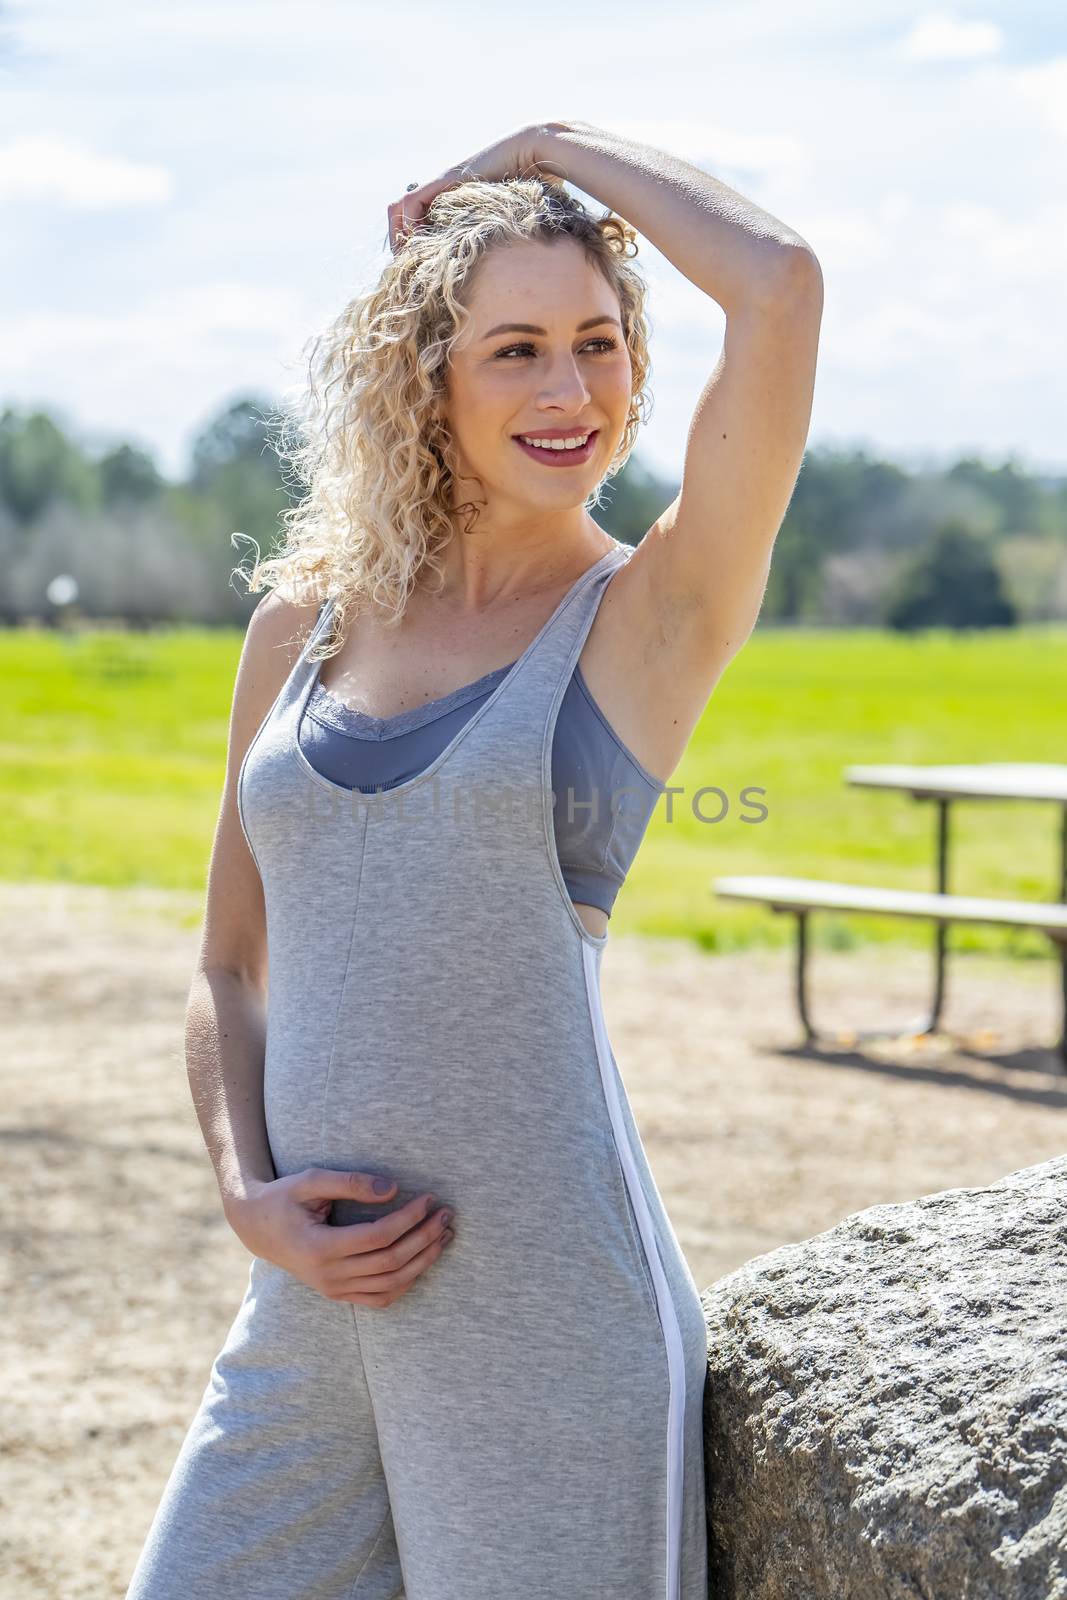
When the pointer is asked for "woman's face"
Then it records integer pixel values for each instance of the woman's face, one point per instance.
(564, 373)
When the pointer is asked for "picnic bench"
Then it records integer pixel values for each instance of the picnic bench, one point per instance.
(942, 785)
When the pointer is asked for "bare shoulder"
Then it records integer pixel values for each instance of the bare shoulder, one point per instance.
(278, 630)
(279, 620)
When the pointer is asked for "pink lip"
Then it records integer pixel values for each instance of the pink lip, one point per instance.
(559, 458)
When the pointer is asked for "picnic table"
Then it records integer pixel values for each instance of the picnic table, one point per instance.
(993, 780)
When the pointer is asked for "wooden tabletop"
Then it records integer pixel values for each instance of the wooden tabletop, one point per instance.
(810, 894)
(990, 780)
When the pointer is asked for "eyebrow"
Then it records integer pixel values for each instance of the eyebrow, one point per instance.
(530, 327)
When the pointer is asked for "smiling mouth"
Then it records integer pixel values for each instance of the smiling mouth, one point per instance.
(559, 454)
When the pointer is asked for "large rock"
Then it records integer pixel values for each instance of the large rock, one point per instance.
(886, 1405)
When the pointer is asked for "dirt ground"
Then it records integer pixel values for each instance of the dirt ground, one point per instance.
(121, 1276)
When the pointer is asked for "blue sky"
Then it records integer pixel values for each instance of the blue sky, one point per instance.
(188, 193)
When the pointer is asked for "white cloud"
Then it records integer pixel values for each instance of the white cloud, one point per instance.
(895, 334)
(1019, 250)
(66, 171)
(167, 327)
(1044, 87)
(767, 157)
(941, 37)
(848, 241)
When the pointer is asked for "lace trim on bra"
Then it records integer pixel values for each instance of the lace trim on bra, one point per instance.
(327, 708)
(333, 713)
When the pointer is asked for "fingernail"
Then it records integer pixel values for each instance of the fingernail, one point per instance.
(382, 1185)
(445, 1218)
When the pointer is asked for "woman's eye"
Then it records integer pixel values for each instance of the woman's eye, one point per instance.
(606, 344)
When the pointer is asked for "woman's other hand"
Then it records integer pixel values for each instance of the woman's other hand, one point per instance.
(515, 156)
(365, 1263)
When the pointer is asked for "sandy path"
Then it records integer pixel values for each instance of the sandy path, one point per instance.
(121, 1276)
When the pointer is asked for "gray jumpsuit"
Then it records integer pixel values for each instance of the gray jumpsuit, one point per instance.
(525, 1422)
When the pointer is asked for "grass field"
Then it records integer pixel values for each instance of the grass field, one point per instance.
(114, 745)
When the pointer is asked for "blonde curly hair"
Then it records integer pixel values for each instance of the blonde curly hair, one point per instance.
(375, 460)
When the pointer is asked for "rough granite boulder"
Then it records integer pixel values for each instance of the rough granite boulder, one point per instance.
(885, 1416)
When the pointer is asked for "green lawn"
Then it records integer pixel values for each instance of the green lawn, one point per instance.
(113, 750)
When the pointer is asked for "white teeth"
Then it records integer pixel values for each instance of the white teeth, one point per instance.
(557, 444)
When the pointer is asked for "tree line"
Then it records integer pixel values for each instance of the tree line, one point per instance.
(865, 542)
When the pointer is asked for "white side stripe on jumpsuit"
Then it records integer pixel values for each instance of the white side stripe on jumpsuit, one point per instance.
(664, 1301)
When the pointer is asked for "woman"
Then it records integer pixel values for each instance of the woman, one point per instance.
(469, 1362)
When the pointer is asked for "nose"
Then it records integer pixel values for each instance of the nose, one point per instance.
(564, 388)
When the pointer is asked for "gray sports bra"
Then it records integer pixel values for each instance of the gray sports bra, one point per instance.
(596, 844)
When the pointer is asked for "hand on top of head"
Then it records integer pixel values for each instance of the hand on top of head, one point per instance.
(514, 156)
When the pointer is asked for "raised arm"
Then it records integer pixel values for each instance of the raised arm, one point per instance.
(691, 594)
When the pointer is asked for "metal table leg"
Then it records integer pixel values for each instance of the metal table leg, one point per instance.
(941, 928)
(920, 1025)
(924, 1024)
